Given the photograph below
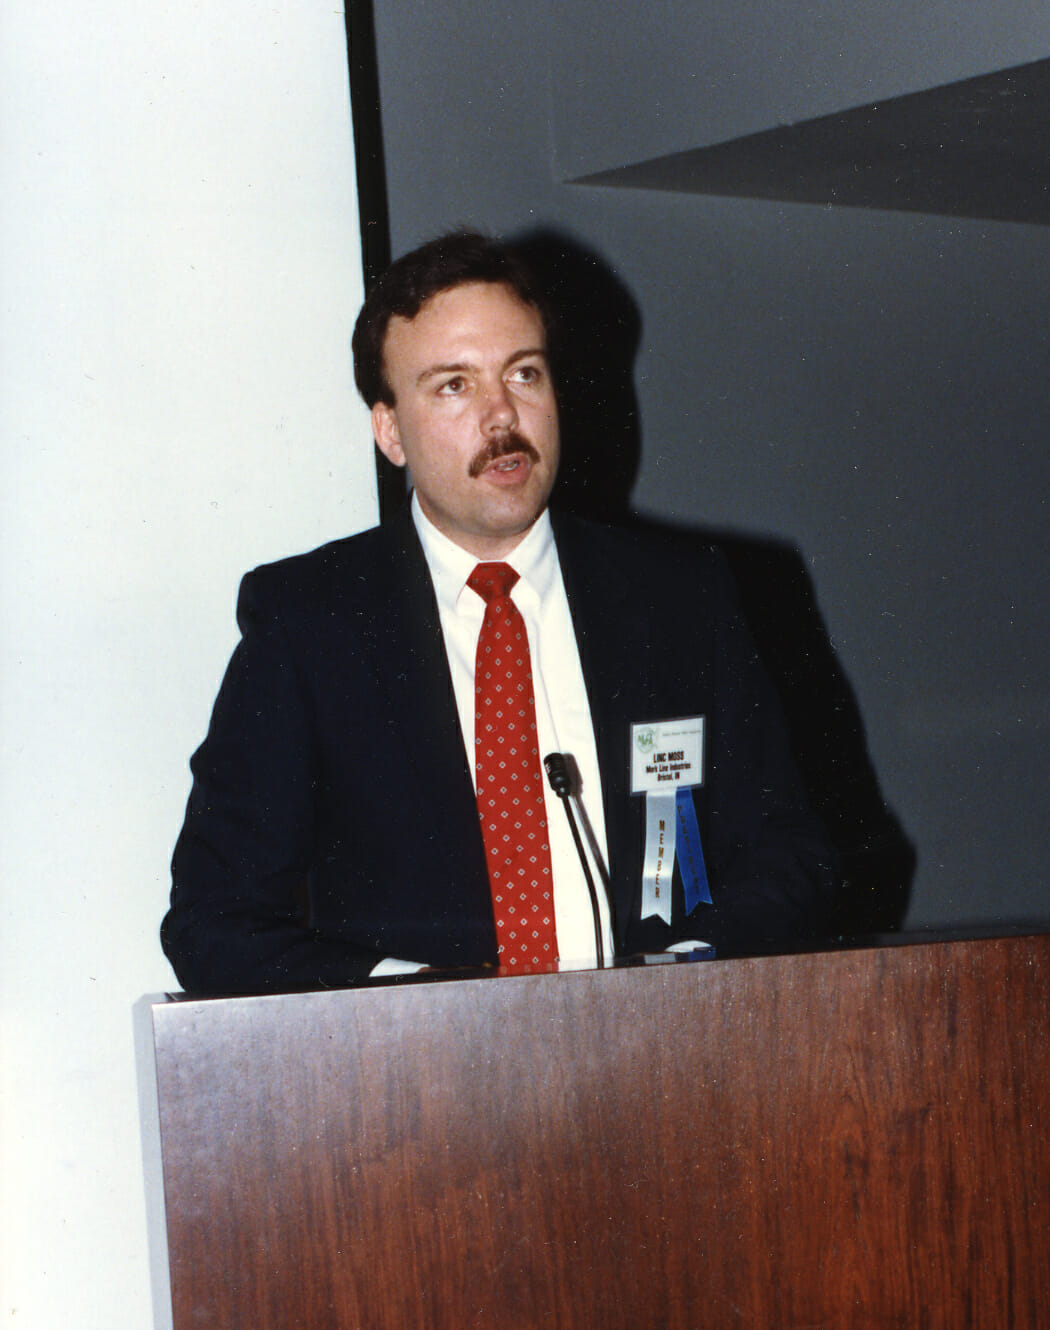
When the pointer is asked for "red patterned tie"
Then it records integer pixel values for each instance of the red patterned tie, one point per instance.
(510, 786)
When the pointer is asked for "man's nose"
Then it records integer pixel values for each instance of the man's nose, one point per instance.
(499, 413)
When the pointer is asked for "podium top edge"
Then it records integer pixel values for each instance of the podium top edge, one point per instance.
(933, 938)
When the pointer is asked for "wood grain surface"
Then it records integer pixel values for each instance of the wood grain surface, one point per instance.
(849, 1139)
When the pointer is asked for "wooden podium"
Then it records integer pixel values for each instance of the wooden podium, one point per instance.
(846, 1139)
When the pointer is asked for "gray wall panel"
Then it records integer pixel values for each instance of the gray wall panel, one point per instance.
(866, 389)
(638, 81)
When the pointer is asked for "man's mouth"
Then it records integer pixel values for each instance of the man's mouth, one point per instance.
(503, 455)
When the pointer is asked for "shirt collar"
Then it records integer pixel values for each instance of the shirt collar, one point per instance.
(535, 560)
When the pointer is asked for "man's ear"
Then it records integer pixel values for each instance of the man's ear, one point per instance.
(386, 433)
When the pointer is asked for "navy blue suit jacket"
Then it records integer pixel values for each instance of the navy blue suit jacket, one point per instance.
(332, 819)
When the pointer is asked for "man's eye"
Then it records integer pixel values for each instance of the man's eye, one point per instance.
(452, 387)
(528, 374)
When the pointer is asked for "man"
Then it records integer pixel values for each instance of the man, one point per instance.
(352, 811)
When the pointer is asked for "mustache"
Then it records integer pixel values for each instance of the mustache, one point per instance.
(511, 442)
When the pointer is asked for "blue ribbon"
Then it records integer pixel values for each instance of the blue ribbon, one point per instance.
(690, 852)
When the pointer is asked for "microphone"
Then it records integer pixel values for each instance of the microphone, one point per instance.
(560, 777)
(558, 774)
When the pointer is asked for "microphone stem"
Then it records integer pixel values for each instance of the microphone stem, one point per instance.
(599, 945)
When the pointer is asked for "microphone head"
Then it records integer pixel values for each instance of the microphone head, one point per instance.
(558, 774)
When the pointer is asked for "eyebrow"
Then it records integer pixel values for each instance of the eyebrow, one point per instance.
(464, 367)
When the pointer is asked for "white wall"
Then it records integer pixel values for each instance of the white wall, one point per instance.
(178, 234)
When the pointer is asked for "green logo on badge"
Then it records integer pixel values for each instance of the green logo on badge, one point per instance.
(644, 739)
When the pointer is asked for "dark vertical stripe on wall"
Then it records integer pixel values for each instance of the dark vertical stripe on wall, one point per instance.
(371, 189)
(368, 139)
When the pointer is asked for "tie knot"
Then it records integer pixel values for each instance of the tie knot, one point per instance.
(492, 580)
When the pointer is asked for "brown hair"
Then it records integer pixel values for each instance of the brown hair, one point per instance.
(450, 260)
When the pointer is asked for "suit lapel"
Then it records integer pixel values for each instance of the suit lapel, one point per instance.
(614, 633)
(410, 654)
(412, 672)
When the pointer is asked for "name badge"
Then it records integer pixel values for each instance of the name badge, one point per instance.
(667, 753)
(667, 762)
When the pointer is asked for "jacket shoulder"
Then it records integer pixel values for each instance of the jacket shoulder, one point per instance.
(337, 575)
(318, 565)
(642, 555)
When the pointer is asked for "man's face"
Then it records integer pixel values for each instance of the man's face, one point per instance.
(474, 418)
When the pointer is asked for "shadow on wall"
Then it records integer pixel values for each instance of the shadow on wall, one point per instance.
(593, 343)
(593, 348)
(827, 731)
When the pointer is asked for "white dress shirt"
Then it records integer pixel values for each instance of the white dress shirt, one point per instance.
(563, 717)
